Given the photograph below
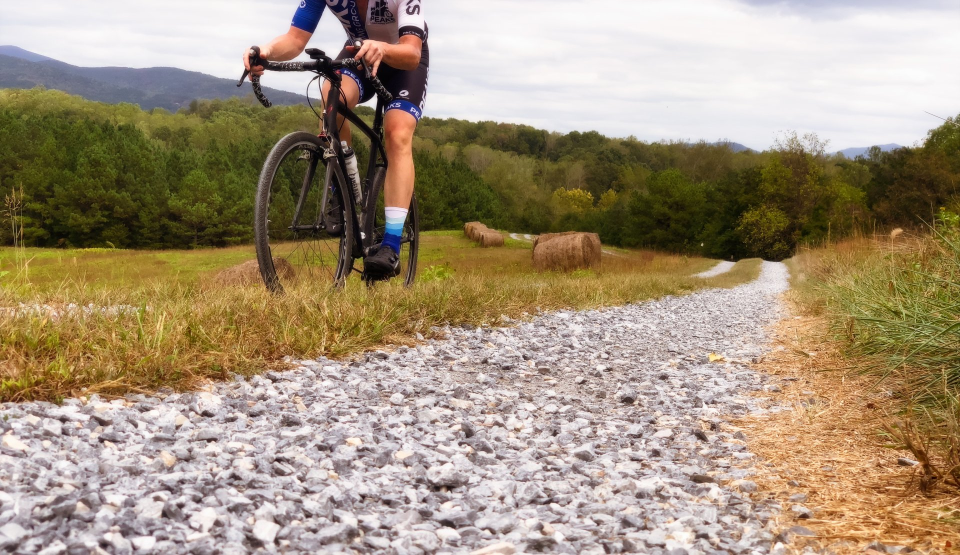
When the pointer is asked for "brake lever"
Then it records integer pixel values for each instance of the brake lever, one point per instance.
(366, 70)
(254, 61)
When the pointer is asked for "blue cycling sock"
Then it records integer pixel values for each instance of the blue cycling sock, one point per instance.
(395, 218)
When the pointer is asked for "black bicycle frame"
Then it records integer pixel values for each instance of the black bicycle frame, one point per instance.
(378, 153)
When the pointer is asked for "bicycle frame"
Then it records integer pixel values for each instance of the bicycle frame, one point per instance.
(377, 155)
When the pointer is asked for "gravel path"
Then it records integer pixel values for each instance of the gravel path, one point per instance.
(576, 432)
(720, 268)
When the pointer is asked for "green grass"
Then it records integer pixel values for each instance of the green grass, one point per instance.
(184, 329)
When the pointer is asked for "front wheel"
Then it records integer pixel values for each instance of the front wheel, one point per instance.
(302, 230)
(375, 225)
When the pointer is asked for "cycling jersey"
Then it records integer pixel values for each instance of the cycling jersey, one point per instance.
(385, 20)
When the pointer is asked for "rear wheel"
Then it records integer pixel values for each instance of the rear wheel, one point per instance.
(375, 226)
(303, 233)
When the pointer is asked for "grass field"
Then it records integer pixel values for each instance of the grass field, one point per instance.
(179, 328)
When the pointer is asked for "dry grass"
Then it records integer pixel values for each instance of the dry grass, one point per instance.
(832, 444)
(181, 329)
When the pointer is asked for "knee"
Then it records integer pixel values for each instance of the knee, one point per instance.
(399, 140)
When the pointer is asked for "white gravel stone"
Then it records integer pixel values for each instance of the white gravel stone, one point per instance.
(501, 548)
(144, 543)
(13, 442)
(265, 531)
(204, 520)
(13, 531)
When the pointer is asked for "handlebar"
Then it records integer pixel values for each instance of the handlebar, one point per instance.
(321, 64)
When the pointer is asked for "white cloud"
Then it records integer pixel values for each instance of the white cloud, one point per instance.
(864, 73)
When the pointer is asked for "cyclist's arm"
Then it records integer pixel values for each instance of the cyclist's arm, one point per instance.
(283, 48)
(287, 46)
(405, 55)
(413, 31)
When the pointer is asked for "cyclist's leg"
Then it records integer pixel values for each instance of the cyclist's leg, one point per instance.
(353, 88)
(400, 121)
(398, 127)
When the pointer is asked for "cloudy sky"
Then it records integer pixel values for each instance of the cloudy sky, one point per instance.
(857, 72)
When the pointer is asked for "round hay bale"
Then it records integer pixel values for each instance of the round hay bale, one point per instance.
(473, 229)
(490, 238)
(566, 251)
(545, 237)
(248, 273)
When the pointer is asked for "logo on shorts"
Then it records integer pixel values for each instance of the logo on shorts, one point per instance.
(381, 14)
(404, 93)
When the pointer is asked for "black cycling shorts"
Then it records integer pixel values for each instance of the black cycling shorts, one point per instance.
(409, 88)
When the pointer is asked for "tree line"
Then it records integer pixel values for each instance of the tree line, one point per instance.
(97, 175)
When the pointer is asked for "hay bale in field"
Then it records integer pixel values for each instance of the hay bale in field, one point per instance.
(490, 238)
(473, 229)
(567, 251)
(483, 235)
(248, 273)
(550, 236)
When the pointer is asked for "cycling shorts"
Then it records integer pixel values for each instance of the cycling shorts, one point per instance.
(409, 88)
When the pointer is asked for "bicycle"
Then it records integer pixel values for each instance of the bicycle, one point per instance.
(305, 232)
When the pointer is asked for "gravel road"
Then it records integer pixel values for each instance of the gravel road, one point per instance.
(575, 432)
(720, 268)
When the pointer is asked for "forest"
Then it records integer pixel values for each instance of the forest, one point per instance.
(104, 175)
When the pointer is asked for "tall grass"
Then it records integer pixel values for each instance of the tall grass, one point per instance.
(176, 331)
(896, 304)
(13, 214)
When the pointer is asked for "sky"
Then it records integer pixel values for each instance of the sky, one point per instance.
(856, 72)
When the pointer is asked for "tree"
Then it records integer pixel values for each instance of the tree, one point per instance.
(766, 233)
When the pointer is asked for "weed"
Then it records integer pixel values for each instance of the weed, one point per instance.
(437, 272)
(13, 212)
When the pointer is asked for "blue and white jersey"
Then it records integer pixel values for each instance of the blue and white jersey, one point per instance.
(384, 20)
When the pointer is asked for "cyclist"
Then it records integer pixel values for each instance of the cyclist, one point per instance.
(394, 36)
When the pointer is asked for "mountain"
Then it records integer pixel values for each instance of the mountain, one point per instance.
(852, 153)
(736, 147)
(157, 87)
(17, 52)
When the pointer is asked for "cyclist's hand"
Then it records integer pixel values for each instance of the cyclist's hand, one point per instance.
(371, 52)
(255, 71)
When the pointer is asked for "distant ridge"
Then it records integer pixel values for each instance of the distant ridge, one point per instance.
(862, 151)
(735, 147)
(158, 87)
(17, 52)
